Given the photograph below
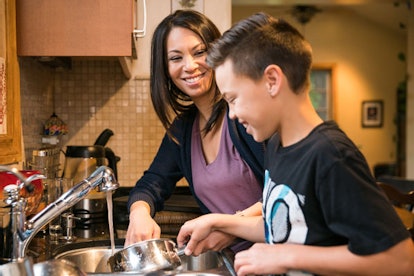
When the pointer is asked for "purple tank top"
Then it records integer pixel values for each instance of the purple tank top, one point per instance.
(227, 184)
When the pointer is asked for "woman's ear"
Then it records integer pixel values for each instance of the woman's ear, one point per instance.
(273, 78)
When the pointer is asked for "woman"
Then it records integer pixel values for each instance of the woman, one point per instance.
(221, 162)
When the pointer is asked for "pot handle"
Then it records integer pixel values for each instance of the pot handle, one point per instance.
(180, 251)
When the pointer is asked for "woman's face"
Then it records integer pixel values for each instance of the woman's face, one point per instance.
(187, 66)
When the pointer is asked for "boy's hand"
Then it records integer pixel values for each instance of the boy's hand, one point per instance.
(194, 232)
(215, 241)
(260, 259)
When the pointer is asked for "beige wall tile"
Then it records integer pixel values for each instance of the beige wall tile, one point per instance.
(90, 97)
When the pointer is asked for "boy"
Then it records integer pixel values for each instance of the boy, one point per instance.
(322, 210)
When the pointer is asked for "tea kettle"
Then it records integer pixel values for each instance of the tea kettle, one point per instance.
(81, 161)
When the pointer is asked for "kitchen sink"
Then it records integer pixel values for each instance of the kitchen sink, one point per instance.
(91, 257)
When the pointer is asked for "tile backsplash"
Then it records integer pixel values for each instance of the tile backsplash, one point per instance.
(91, 96)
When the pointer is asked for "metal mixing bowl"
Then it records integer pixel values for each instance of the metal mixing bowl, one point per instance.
(146, 256)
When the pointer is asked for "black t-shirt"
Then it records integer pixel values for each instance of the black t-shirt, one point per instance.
(320, 191)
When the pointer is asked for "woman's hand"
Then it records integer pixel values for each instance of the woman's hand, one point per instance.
(141, 225)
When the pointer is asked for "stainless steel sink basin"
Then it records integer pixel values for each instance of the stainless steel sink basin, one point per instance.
(90, 260)
(91, 257)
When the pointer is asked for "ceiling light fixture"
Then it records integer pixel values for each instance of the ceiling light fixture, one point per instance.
(304, 13)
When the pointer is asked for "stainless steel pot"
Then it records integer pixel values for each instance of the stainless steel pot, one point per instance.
(146, 256)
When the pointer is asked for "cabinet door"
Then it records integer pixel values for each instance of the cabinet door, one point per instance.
(10, 120)
(74, 27)
(156, 11)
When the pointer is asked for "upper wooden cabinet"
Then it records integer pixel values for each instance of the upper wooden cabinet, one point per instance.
(10, 119)
(74, 27)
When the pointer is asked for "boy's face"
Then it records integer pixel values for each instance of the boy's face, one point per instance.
(249, 101)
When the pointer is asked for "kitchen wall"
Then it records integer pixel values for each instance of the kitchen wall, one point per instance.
(90, 97)
(36, 101)
(95, 95)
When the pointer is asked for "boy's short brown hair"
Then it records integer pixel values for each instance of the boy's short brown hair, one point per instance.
(260, 40)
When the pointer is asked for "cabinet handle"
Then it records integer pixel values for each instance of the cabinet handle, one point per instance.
(137, 32)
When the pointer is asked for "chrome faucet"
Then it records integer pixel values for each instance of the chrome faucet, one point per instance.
(16, 232)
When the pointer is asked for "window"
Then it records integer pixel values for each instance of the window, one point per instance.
(321, 92)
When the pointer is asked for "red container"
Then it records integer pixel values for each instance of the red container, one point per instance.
(33, 198)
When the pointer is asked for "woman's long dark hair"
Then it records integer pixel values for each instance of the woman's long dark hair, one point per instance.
(169, 101)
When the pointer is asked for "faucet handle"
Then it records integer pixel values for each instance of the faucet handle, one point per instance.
(11, 193)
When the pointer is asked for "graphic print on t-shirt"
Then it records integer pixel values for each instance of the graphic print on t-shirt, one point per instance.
(284, 218)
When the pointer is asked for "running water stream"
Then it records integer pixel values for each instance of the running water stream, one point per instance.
(110, 220)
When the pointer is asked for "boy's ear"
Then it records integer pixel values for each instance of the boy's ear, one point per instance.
(273, 78)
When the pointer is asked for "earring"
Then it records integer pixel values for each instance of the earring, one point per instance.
(169, 85)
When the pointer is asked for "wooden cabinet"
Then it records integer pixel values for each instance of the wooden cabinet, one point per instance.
(74, 27)
(10, 120)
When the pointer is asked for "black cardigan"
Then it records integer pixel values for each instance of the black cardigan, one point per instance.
(173, 162)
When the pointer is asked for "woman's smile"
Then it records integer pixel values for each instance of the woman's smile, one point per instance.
(194, 79)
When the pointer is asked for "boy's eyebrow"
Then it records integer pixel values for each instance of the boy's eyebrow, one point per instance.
(225, 95)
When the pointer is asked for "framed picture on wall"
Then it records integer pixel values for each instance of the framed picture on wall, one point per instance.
(372, 113)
